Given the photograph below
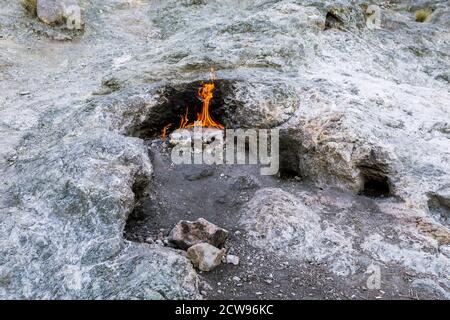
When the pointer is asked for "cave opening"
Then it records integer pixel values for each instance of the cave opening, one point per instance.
(182, 100)
(375, 186)
(332, 21)
(290, 150)
(439, 208)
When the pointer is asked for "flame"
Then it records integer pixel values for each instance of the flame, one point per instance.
(204, 119)
(164, 131)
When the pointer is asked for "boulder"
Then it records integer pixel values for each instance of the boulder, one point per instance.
(56, 12)
(187, 233)
(281, 223)
(85, 214)
(204, 256)
(50, 11)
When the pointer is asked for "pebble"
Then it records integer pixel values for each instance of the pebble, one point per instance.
(232, 259)
(149, 240)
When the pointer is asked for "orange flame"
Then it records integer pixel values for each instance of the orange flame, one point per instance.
(204, 119)
(164, 131)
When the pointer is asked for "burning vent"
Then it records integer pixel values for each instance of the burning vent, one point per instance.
(198, 103)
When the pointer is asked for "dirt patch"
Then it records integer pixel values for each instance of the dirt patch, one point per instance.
(217, 193)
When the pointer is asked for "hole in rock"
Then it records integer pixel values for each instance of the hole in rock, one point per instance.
(375, 186)
(288, 174)
(143, 206)
(140, 193)
(332, 21)
(439, 208)
(289, 154)
(183, 100)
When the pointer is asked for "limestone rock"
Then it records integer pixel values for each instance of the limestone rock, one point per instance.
(282, 219)
(96, 262)
(50, 11)
(232, 259)
(358, 104)
(56, 12)
(204, 256)
(188, 233)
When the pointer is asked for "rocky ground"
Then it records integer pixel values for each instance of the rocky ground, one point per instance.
(88, 195)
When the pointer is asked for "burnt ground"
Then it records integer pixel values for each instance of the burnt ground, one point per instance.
(217, 193)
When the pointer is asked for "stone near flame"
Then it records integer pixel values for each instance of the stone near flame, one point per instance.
(188, 233)
(204, 256)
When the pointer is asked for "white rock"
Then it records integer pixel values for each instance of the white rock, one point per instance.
(58, 11)
(232, 259)
(204, 256)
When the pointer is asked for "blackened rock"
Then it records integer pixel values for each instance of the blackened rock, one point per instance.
(187, 233)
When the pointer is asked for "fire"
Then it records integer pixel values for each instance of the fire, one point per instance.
(204, 119)
(164, 131)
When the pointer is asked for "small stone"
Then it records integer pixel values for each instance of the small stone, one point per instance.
(237, 279)
(204, 256)
(232, 259)
(258, 293)
(50, 11)
(55, 12)
(187, 233)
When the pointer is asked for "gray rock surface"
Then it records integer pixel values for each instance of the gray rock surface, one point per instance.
(358, 104)
(299, 228)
